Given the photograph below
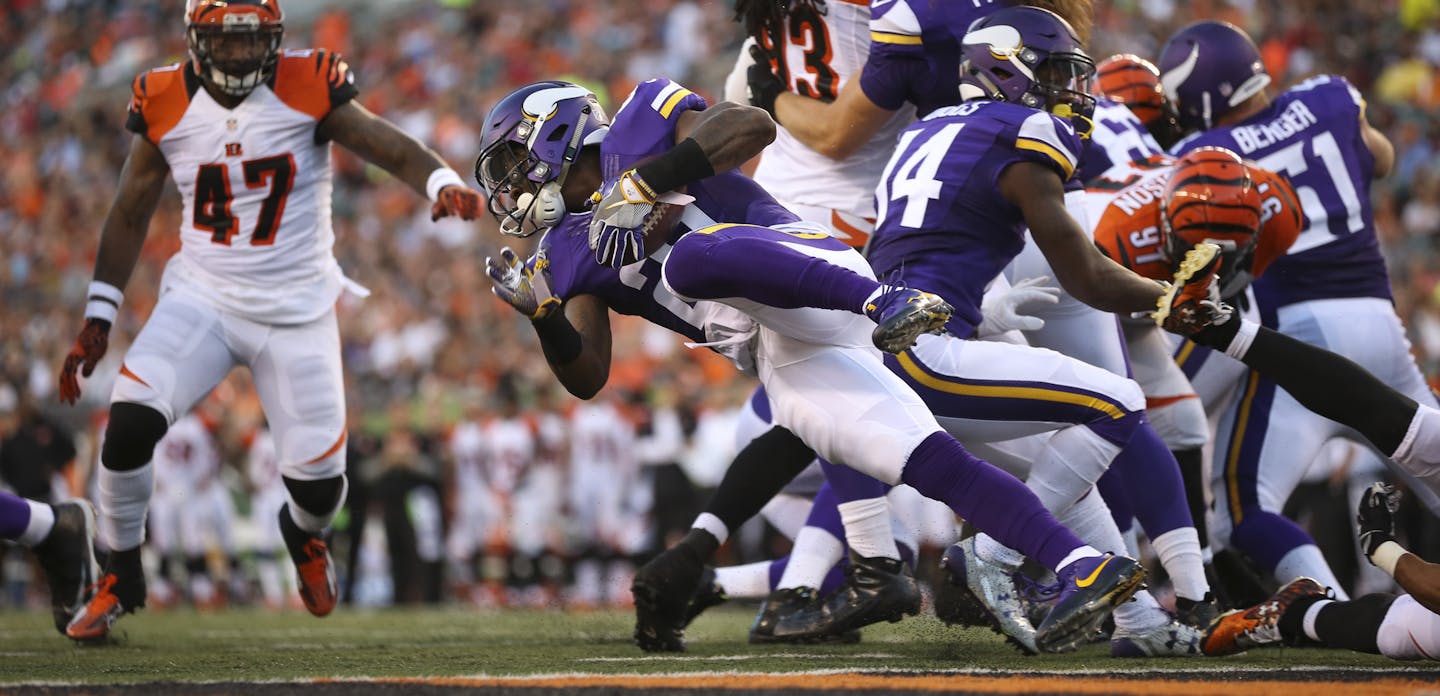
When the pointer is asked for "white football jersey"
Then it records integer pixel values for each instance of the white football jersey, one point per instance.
(820, 53)
(509, 451)
(467, 450)
(187, 458)
(255, 232)
(601, 439)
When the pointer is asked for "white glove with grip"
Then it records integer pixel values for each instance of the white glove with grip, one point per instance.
(513, 282)
(1000, 311)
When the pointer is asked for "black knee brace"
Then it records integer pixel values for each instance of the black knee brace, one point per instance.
(319, 498)
(130, 436)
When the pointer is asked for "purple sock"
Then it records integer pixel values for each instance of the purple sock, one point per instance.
(825, 512)
(834, 577)
(1151, 478)
(992, 500)
(1266, 537)
(1112, 489)
(748, 261)
(849, 484)
(777, 570)
(15, 516)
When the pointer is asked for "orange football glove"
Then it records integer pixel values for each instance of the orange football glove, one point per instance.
(89, 348)
(459, 201)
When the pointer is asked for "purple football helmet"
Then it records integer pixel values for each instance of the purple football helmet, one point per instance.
(1209, 68)
(528, 143)
(1028, 56)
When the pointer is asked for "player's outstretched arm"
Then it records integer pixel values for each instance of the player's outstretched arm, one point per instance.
(142, 179)
(729, 134)
(837, 128)
(576, 341)
(381, 143)
(1376, 519)
(1421, 579)
(1080, 268)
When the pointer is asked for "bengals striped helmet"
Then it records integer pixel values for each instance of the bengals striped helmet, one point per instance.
(1128, 79)
(1211, 197)
(235, 43)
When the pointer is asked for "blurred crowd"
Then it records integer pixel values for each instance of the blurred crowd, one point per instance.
(430, 356)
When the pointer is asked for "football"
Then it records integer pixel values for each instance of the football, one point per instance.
(662, 220)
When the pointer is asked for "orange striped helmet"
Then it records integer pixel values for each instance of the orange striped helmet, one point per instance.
(235, 43)
(1128, 79)
(1211, 197)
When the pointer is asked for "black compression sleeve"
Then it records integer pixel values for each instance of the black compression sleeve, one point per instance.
(684, 164)
(1334, 386)
(759, 471)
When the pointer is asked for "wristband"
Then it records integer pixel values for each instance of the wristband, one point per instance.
(684, 164)
(1244, 336)
(1387, 555)
(103, 301)
(440, 178)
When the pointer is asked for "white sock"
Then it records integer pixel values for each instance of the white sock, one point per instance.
(1311, 615)
(712, 524)
(996, 553)
(1079, 553)
(749, 581)
(42, 518)
(1068, 467)
(1132, 540)
(867, 528)
(1308, 561)
(816, 551)
(1179, 552)
(124, 499)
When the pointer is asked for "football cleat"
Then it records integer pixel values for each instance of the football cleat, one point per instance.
(120, 591)
(708, 594)
(902, 314)
(68, 557)
(1259, 625)
(1173, 638)
(788, 602)
(1093, 587)
(994, 601)
(1192, 301)
(1199, 614)
(313, 566)
(875, 590)
(663, 590)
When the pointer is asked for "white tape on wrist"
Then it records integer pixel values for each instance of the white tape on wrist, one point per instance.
(103, 301)
(1387, 556)
(440, 178)
(1240, 345)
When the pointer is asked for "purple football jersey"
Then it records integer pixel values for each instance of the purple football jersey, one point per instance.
(643, 128)
(944, 226)
(1312, 134)
(915, 51)
(1119, 137)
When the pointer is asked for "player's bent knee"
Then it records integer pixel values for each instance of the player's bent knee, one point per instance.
(131, 435)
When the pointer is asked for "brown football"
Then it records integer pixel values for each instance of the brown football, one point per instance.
(659, 224)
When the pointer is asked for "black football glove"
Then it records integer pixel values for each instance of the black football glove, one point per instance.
(762, 84)
(1377, 516)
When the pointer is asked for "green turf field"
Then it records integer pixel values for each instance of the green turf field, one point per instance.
(252, 645)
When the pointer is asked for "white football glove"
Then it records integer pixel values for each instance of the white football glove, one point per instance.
(737, 88)
(620, 210)
(1000, 311)
(513, 282)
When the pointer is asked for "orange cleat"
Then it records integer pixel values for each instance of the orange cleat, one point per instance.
(313, 566)
(1238, 631)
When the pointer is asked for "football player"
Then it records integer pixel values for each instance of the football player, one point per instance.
(1330, 289)
(940, 226)
(244, 129)
(765, 295)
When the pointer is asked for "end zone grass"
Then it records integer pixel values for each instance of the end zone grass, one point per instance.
(252, 645)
